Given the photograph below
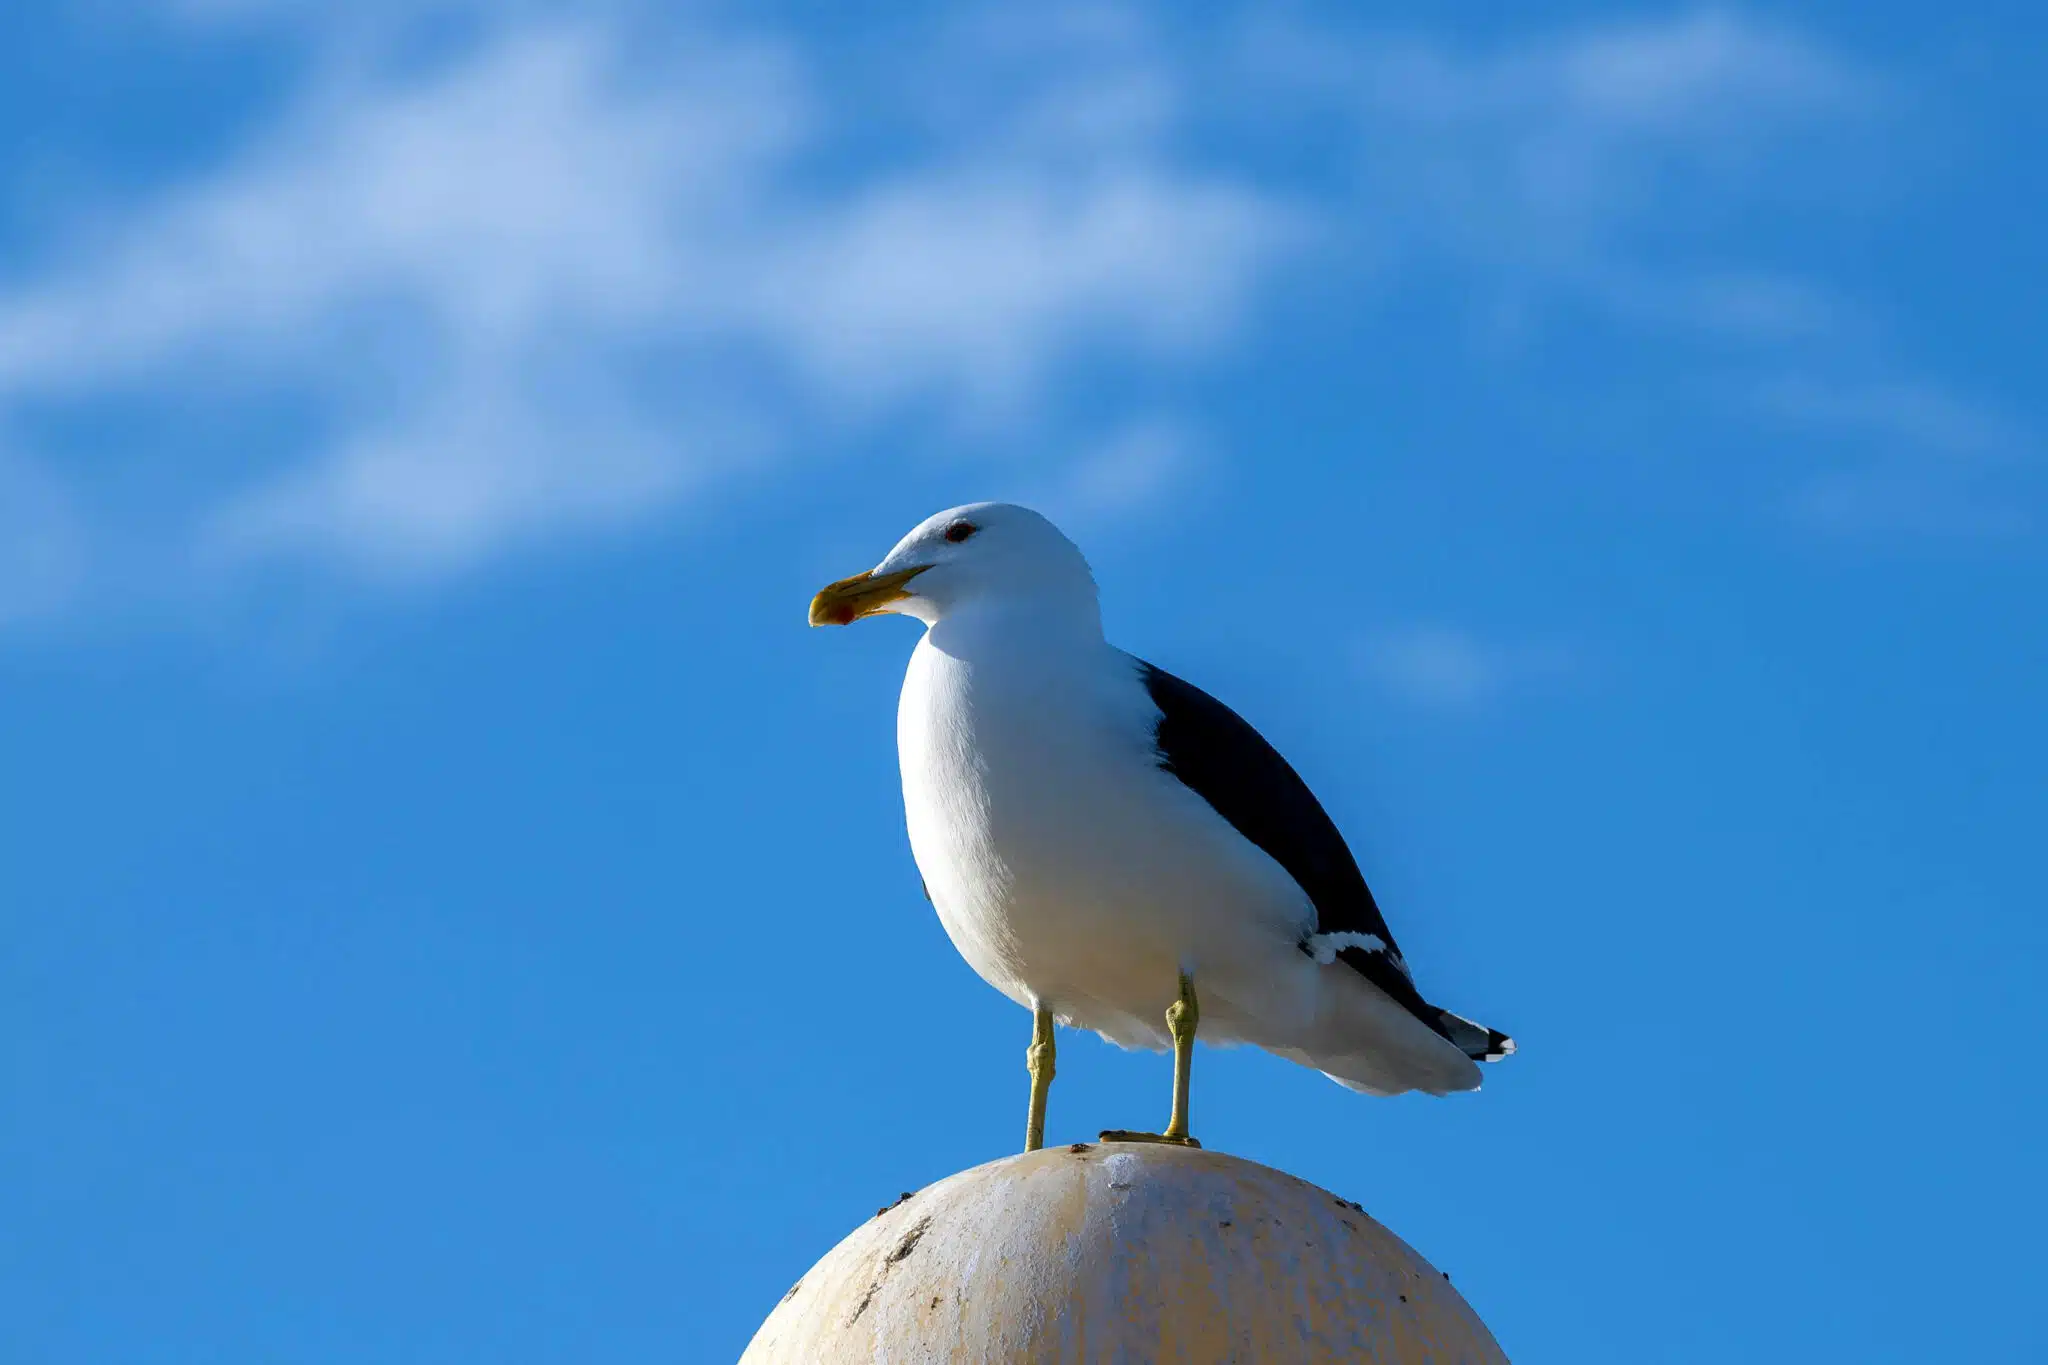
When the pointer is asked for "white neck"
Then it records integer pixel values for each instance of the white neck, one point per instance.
(1051, 623)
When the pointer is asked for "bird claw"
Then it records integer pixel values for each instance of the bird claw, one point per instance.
(1126, 1135)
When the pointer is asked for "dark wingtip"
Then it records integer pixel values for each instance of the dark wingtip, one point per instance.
(1477, 1041)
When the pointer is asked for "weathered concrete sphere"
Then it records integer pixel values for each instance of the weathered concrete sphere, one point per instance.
(1122, 1252)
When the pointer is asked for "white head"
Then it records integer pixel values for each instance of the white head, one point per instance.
(985, 552)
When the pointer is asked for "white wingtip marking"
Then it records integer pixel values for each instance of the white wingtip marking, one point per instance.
(1325, 947)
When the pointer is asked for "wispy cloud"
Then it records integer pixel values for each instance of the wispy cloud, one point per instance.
(1905, 456)
(1898, 413)
(567, 273)
(1133, 466)
(554, 283)
(1557, 168)
(1891, 499)
(1446, 668)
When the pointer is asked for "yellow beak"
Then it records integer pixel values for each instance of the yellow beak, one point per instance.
(864, 594)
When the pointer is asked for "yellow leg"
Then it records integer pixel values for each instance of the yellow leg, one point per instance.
(1182, 1018)
(1038, 1060)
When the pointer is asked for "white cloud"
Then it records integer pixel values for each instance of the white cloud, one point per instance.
(1442, 667)
(530, 186)
(1558, 167)
(976, 282)
(579, 271)
(1605, 170)
(1911, 413)
(481, 468)
(1703, 74)
(1890, 499)
(1132, 468)
(557, 283)
(1904, 457)
(1702, 70)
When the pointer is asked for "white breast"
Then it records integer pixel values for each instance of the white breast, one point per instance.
(1065, 866)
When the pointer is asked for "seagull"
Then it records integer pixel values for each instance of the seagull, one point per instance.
(1114, 849)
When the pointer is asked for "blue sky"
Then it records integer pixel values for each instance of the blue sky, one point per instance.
(452, 909)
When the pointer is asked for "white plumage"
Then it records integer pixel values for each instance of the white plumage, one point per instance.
(1069, 863)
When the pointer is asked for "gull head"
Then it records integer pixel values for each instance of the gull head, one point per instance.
(986, 553)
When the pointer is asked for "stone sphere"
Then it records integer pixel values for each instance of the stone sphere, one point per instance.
(1122, 1252)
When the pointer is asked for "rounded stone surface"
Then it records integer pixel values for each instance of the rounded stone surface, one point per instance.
(1122, 1252)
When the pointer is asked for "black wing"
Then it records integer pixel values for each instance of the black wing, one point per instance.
(1218, 755)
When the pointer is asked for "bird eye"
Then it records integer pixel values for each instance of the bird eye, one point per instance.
(959, 531)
